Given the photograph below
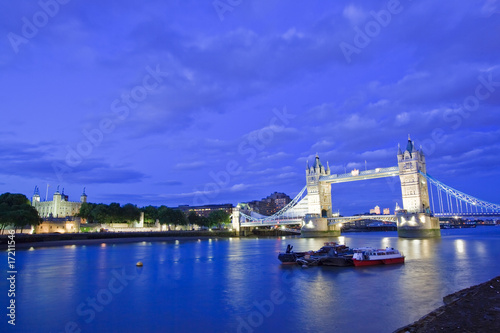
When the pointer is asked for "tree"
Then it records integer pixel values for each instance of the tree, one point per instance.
(16, 210)
(130, 213)
(101, 213)
(193, 218)
(150, 214)
(171, 216)
(204, 222)
(164, 214)
(218, 217)
(86, 211)
(115, 213)
(178, 218)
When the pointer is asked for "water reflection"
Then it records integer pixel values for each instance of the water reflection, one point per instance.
(460, 246)
(417, 248)
(191, 285)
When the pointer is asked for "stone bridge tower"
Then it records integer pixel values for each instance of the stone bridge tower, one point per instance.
(319, 202)
(319, 194)
(413, 184)
(415, 219)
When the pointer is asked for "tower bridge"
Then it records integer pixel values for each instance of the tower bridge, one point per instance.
(312, 207)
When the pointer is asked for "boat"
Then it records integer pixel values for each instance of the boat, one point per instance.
(331, 254)
(368, 256)
(290, 257)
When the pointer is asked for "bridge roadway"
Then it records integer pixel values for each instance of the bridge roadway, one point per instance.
(361, 175)
(273, 222)
(343, 219)
(331, 220)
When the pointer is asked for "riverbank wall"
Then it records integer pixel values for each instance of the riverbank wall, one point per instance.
(474, 309)
(24, 240)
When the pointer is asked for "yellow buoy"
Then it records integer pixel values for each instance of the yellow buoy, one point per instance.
(139, 264)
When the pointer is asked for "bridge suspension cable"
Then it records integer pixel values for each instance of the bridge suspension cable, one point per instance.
(280, 214)
(445, 192)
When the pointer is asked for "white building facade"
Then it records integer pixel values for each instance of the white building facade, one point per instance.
(59, 207)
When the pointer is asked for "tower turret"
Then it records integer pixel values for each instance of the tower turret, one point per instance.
(56, 202)
(83, 197)
(36, 195)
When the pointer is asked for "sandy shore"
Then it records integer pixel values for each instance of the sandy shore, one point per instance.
(475, 309)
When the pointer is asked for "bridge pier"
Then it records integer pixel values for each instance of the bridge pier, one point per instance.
(418, 225)
(316, 226)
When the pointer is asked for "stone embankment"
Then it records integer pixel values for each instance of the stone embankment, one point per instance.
(26, 240)
(475, 309)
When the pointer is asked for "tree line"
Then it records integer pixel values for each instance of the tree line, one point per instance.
(166, 215)
(16, 210)
(114, 213)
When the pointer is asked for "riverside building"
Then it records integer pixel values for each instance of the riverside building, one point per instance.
(59, 215)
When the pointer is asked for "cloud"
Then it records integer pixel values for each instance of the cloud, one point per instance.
(238, 187)
(322, 145)
(386, 155)
(277, 156)
(169, 183)
(196, 165)
(403, 119)
(490, 7)
(109, 175)
(292, 33)
(354, 14)
(225, 78)
(288, 175)
(37, 161)
(379, 103)
(357, 122)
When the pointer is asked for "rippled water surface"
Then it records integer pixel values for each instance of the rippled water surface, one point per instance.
(238, 285)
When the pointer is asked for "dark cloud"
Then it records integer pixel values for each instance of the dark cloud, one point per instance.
(169, 183)
(221, 82)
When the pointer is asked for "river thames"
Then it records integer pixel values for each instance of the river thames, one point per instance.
(238, 285)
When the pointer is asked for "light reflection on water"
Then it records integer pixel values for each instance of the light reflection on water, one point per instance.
(222, 285)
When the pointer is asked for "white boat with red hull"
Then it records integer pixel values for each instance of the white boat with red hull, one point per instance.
(369, 256)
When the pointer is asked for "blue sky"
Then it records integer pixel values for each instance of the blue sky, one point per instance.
(194, 101)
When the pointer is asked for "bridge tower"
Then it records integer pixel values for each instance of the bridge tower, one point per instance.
(415, 219)
(235, 218)
(319, 201)
(319, 194)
